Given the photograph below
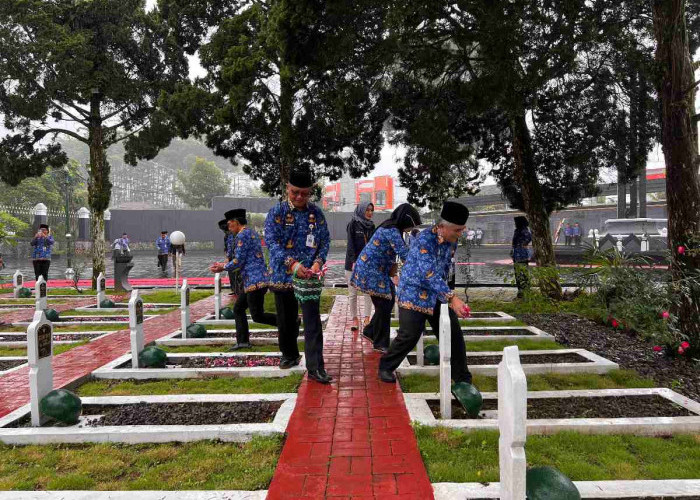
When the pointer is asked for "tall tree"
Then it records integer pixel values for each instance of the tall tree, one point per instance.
(198, 185)
(524, 87)
(677, 88)
(289, 83)
(91, 70)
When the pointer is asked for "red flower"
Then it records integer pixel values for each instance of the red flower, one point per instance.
(681, 350)
(681, 249)
(614, 323)
(658, 348)
(685, 345)
(665, 315)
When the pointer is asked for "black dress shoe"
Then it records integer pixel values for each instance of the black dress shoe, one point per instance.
(242, 345)
(387, 376)
(318, 377)
(286, 363)
(324, 373)
(366, 335)
(383, 350)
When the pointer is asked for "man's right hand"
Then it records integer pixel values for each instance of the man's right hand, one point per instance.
(459, 307)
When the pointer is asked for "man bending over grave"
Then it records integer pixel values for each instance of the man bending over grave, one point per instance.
(249, 260)
(422, 289)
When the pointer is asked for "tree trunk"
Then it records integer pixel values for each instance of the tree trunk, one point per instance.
(99, 187)
(286, 103)
(679, 142)
(634, 191)
(621, 197)
(533, 204)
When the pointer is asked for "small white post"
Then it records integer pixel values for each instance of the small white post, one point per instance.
(101, 282)
(645, 243)
(512, 418)
(40, 354)
(445, 367)
(136, 327)
(40, 294)
(184, 308)
(618, 245)
(17, 283)
(420, 347)
(217, 296)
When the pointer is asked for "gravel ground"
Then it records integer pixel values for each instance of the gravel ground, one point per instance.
(530, 359)
(627, 349)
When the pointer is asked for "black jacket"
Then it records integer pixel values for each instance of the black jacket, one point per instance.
(358, 236)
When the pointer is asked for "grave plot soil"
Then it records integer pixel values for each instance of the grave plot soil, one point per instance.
(106, 319)
(627, 349)
(229, 361)
(590, 407)
(518, 331)
(232, 334)
(532, 359)
(484, 315)
(6, 365)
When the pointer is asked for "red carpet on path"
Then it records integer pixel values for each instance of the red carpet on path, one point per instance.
(81, 361)
(352, 439)
(109, 282)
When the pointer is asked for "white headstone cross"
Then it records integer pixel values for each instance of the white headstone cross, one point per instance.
(420, 350)
(101, 282)
(512, 418)
(40, 354)
(184, 308)
(136, 327)
(40, 294)
(445, 365)
(17, 283)
(217, 296)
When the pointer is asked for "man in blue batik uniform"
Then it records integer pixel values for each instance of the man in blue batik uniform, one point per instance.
(42, 244)
(247, 257)
(298, 238)
(163, 246)
(423, 288)
(234, 276)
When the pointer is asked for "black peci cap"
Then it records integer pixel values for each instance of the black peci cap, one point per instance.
(223, 224)
(43, 226)
(454, 212)
(300, 179)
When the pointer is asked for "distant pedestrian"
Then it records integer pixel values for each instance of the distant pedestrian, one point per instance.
(42, 244)
(479, 236)
(568, 233)
(122, 244)
(359, 231)
(470, 237)
(521, 254)
(163, 245)
(576, 233)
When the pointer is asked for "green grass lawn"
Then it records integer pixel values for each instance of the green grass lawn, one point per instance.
(116, 312)
(469, 324)
(327, 300)
(57, 327)
(536, 303)
(171, 297)
(73, 291)
(454, 456)
(223, 348)
(204, 465)
(221, 385)
(617, 379)
(57, 349)
(499, 345)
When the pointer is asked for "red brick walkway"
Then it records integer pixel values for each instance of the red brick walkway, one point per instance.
(352, 439)
(82, 360)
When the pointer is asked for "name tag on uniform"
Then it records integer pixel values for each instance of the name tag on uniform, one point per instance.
(310, 241)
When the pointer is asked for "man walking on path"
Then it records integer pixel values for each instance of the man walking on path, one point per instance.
(423, 288)
(163, 246)
(298, 238)
(42, 244)
(248, 259)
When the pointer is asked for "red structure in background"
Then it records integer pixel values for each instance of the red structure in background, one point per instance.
(656, 173)
(380, 191)
(331, 197)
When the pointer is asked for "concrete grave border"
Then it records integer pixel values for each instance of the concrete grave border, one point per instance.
(419, 411)
(210, 320)
(673, 488)
(110, 370)
(133, 434)
(124, 306)
(170, 340)
(501, 316)
(131, 495)
(65, 320)
(14, 358)
(598, 364)
(539, 335)
(11, 344)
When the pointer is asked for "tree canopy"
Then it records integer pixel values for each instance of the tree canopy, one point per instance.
(198, 185)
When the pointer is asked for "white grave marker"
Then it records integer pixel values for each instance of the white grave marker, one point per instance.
(136, 327)
(17, 283)
(101, 282)
(184, 308)
(445, 367)
(40, 353)
(512, 417)
(40, 294)
(217, 296)
(420, 348)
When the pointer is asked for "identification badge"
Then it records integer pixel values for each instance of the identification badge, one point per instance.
(310, 241)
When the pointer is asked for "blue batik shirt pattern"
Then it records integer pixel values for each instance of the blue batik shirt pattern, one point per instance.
(423, 281)
(42, 248)
(229, 245)
(247, 256)
(521, 238)
(371, 273)
(286, 234)
(163, 245)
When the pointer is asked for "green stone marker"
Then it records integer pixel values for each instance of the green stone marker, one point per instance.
(548, 483)
(61, 405)
(196, 331)
(153, 357)
(227, 313)
(24, 293)
(106, 304)
(469, 397)
(52, 314)
(431, 354)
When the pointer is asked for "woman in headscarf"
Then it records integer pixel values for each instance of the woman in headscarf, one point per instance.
(360, 230)
(376, 266)
(521, 254)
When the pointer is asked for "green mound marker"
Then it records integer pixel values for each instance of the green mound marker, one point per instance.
(61, 405)
(51, 314)
(431, 354)
(469, 397)
(153, 357)
(196, 331)
(227, 313)
(24, 293)
(548, 483)
(106, 304)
